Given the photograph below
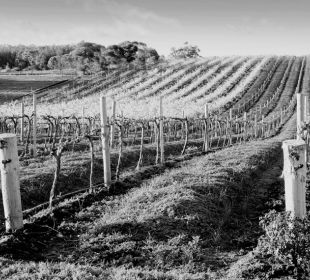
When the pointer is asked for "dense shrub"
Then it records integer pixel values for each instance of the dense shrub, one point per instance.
(285, 245)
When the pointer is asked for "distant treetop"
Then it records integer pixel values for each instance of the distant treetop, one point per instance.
(186, 51)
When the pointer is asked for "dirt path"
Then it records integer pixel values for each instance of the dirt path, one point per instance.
(271, 186)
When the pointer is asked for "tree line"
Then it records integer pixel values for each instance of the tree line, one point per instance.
(85, 56)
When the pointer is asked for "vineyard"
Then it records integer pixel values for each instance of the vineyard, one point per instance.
(194, 153)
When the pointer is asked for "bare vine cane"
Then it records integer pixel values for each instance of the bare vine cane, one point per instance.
(50, 128)
(78, 131)
(206, 140)
(211, 133)
(140, 160)
(28, 133)
(14, 120)
(90, 139)
(120, 123)
(135, 132)
(218, 134)
(186, 122)
(226, 128)
(57, 152)
(157, 139)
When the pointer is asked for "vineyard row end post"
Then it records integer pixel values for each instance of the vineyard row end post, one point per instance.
(245, 125)
(83, 121)
(300, 114)
(230, 126)
(161, 131)
(112, 133)
(9, 167)
(294, 173)
(105, 141)
(22, 112)
(34, 129)
(206, 128)
(306, 105)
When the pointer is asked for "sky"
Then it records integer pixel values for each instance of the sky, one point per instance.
(217, 27)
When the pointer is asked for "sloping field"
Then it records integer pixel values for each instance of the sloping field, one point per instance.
(191, 218)
(222, 82)
(14, 86)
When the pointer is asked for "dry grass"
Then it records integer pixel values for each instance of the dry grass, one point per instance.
(37, 174)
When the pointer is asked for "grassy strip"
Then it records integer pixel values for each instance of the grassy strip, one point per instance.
(37, 174)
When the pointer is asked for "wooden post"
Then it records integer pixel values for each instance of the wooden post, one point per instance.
(245, 125)
(300, 115)
(255, 126)
(34, 129)
(281, 116)
(161, 131)
(215, 126)
(9, 167)
(83, 122)
(22, 125)
(305, 106)
(308, 104)
(294, 173)
(230, 126)
(273, 126)
(105, 142)
(207, 144)
(112, 124)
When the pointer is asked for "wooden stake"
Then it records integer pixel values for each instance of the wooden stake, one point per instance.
(281, 116)
(161, 131)
(113, 125)
(308, 104)
(300, 115)
(263, 127)
(34, 129)
(305, 107)
(245, 125)
(215, 126)
(255, 126)
(22, 125)
(9, 167)
(207, 142)
(105, 142)
(83, 122)
(294, 172)
(230, 126)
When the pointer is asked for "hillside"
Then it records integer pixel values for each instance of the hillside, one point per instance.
(193, 217)
(227, 82)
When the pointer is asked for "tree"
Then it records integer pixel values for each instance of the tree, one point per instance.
(186, 51)
(52, 62)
